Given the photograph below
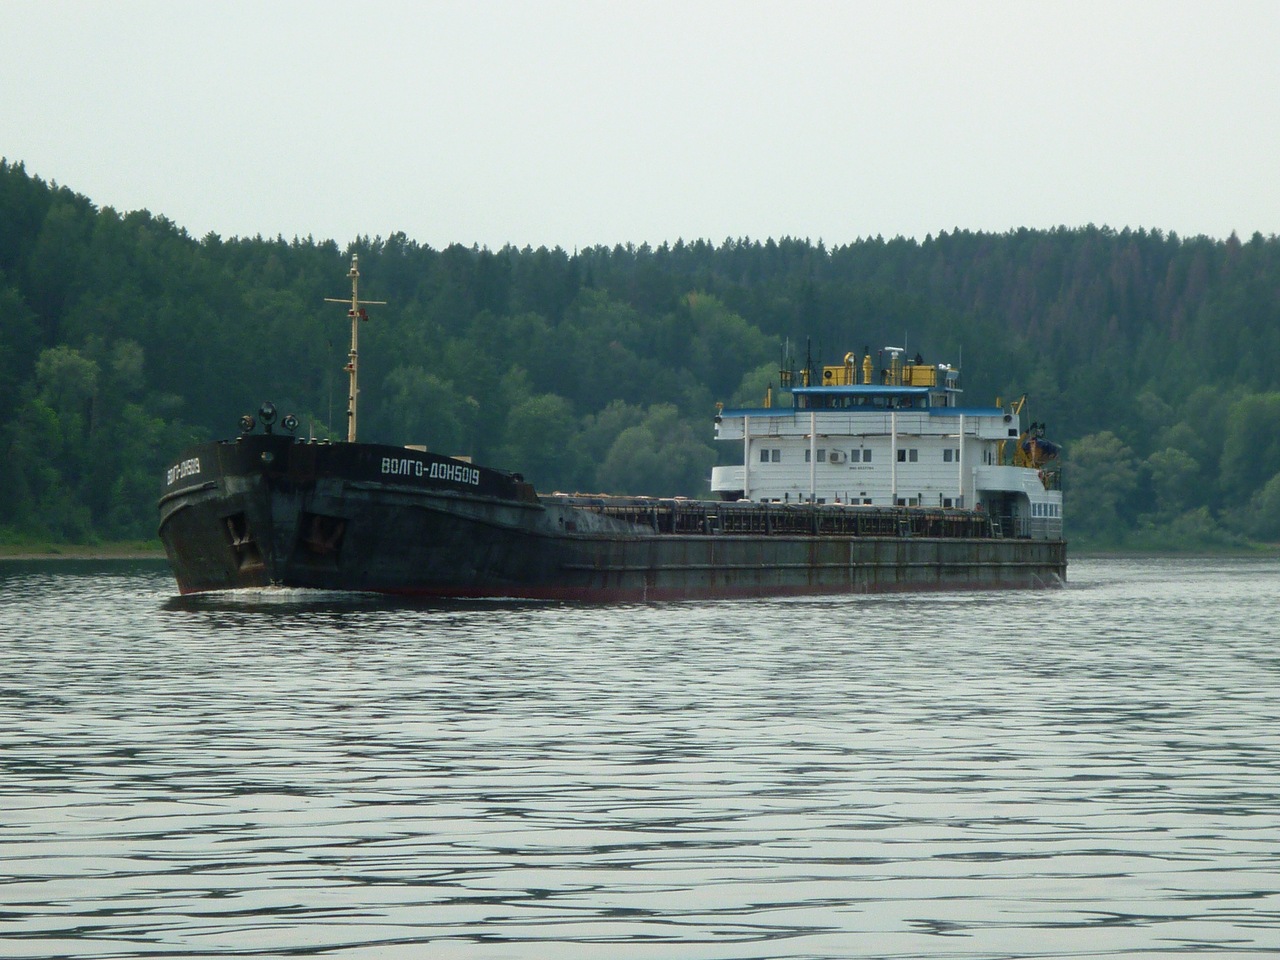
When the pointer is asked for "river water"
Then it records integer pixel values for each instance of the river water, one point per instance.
(1090, 772)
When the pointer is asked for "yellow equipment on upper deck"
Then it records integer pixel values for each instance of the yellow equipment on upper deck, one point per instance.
(919, 375)
(841, 376)
(898, 374)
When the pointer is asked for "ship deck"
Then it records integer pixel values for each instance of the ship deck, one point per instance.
(750, 518)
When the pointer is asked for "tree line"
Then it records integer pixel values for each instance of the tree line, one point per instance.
(1152, 357)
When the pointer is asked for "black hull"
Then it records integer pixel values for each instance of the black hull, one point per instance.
(267, 510)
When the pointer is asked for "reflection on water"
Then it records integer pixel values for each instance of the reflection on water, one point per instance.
(1090, 772)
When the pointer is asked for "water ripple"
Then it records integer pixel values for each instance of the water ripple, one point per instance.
(1091, 772)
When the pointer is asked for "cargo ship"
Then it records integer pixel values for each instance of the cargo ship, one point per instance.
(874, 477)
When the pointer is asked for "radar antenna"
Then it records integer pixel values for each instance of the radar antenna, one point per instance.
(357, 313)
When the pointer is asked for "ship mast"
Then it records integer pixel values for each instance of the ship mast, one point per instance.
(357, 313)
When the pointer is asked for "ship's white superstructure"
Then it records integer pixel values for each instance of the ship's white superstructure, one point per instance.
(902, 440)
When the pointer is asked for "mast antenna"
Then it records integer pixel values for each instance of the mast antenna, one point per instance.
(357, 313)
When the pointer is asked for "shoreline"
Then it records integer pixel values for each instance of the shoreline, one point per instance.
(127, 550)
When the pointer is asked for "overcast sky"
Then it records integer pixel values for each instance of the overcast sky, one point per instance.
(578, 123)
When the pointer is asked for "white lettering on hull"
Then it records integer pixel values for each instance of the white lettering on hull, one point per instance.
(407, 467)
(180, 471)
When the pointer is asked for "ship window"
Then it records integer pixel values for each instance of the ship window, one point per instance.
(855, 456)
(913, 455)
(948, 502)
(776, 456)
(946, 455)
(866, 456)
(902, 456)
(764, 455)
(822, 455)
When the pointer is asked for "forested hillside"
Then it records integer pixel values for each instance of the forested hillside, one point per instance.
(1152, 358)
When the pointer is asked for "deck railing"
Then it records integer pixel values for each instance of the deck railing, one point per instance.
(754, 519)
